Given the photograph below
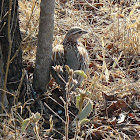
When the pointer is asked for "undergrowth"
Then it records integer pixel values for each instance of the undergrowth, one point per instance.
(112, 83)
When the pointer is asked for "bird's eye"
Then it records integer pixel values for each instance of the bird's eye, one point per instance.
(80, 32)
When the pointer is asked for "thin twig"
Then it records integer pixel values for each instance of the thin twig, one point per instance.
(9, 54)
(54, 113)
(94, 7)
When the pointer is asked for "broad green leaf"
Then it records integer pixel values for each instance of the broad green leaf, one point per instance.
(84, 121)
(25, 124)
(81, 73)
(67, 68)
(86, 111)
(36, 117)
(78, 98)
(79, 101)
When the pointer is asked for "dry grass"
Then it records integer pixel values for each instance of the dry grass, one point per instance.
(113, 44)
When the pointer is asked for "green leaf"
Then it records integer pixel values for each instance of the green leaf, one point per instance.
(84, 121)
(78, 99)
(67, 68)
(81, 73)
(25, 124)
(36, 117)
(79, 102)
(86, 111)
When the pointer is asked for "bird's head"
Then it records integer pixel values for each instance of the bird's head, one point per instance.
(74, 33)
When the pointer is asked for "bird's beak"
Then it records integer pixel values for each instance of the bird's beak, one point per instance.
(84, 32)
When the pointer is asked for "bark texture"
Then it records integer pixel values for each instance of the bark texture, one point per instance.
(15, 68)
(2, 82)
(44, 49)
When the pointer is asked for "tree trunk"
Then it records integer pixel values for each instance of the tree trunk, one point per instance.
(2, 82)
(10, 34)
(44, 49)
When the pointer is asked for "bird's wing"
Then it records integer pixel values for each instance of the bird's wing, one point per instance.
(83, 58)
(58, 65)
(58, 55)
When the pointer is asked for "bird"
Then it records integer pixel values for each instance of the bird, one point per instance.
(71, 53)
